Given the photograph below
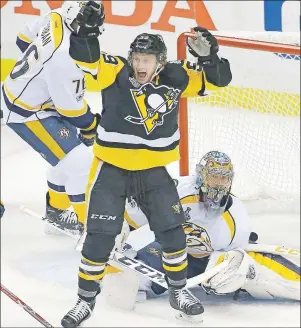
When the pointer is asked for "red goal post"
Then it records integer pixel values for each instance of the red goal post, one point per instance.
(223, 41)
(255, 120)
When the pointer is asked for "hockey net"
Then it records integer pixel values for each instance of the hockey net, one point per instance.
(255, 120)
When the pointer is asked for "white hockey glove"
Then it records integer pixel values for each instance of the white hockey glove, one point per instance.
(204, 46)
(231, 278)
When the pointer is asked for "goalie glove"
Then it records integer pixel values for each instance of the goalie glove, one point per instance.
(88, 136)
(233, 277)
(204, 46)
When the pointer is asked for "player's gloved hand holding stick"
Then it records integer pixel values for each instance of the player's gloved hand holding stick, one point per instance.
(88, 137)
(90, 20)
(204, 46)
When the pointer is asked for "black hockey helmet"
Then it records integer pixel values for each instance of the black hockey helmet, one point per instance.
(149, 44)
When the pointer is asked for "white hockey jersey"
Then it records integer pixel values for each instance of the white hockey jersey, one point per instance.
(227, 231)
(48, 77)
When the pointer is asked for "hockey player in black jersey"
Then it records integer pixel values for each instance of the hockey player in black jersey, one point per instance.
(137, 136)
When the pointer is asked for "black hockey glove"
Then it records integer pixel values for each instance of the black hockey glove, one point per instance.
(88, 136)
(204, 46)
(90, 20)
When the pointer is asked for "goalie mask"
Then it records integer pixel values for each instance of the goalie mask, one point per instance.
(214, 177)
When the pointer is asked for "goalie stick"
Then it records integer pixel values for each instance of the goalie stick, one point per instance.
(25, 307)
(121, 261)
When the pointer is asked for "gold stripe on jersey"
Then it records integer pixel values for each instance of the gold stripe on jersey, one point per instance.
(190, 199)
(92, 126)
(228, 218)
(275, 266)
(109, 67)
(37, 128)
(90, 66)
(24, 38)
(22, 104)
(130, 221)
(57, 29)
(135, 159)
(73, 112)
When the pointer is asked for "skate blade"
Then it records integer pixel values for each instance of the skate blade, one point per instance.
(196, 320)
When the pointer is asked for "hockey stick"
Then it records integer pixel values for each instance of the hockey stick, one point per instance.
(121, 261)
(25, 307)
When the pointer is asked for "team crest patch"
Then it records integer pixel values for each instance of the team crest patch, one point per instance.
(177, 208)
(154, 251)
(197, 238)
(153, 103)
(64, 133)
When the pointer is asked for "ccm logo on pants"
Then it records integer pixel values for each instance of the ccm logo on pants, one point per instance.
(103, 217)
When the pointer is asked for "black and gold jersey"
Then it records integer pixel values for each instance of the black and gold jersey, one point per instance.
(139, 124)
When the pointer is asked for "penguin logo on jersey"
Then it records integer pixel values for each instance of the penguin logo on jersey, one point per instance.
(153, 103)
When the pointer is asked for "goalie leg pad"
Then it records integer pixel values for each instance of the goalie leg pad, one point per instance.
(275, 277)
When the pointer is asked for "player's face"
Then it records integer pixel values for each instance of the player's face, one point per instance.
(217, 181)
(144, 66)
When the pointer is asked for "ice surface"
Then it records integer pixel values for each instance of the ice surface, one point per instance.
(42, 269)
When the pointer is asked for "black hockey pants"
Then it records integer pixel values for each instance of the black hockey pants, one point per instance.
(155, 193)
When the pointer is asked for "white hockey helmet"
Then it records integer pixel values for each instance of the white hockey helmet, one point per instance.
(70, 10)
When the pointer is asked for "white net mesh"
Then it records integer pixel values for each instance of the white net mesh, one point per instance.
(256, 120)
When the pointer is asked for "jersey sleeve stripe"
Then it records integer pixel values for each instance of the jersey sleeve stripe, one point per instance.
(16, 101)
(231, 224)
(91, 68)
(14, 108)
(92, 126)
(24, 38)
(108, 71)
(191, 199)
(57, 29)
(37, 128)
(73, 112)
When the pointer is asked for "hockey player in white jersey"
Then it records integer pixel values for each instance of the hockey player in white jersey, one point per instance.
(43, 102)
(217, 225)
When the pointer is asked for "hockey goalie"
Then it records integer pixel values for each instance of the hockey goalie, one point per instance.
(217, 227)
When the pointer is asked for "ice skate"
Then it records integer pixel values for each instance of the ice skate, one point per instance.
(78, 314)
(188, 306)
(64, 220)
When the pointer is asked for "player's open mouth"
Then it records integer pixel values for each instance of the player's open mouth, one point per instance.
(141, 75)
